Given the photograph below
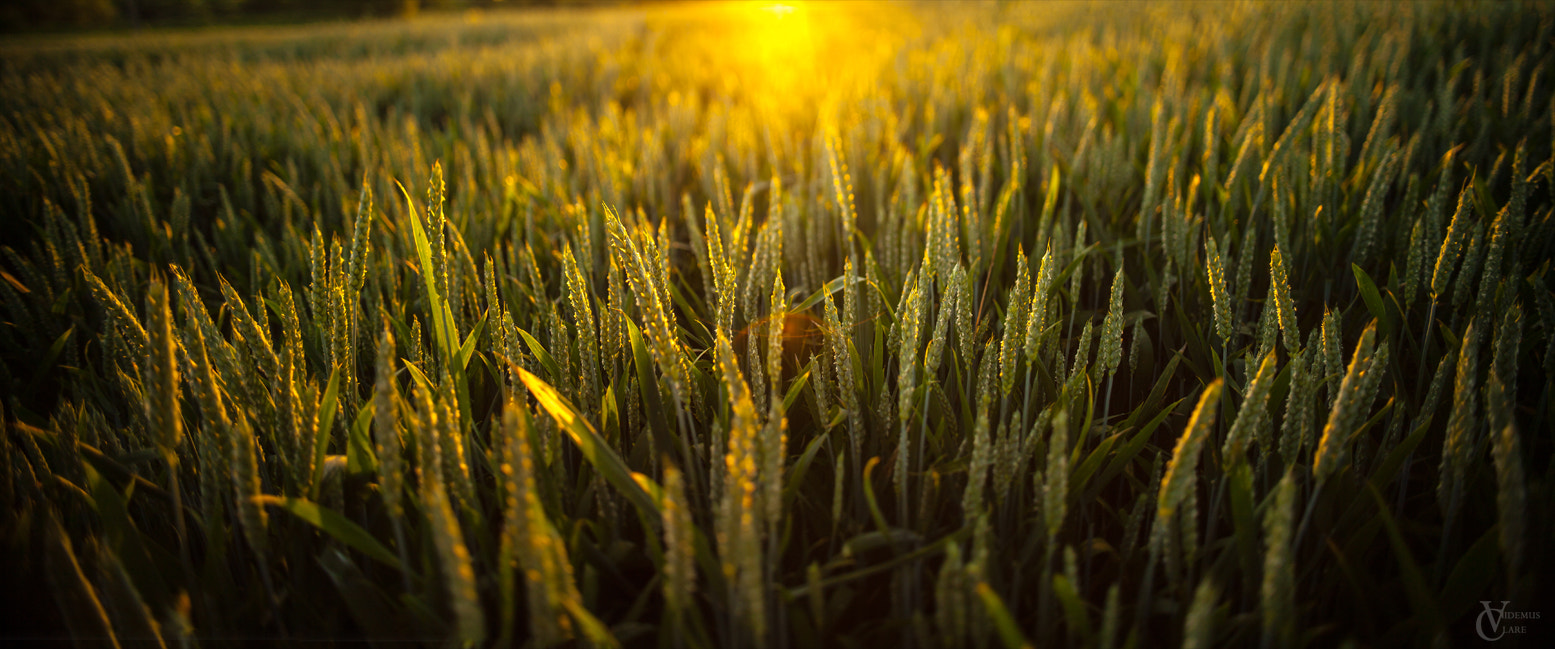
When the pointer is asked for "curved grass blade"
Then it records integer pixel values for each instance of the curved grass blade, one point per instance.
(326, 422)
(334, 524)
(593, 447)
(1009, 631)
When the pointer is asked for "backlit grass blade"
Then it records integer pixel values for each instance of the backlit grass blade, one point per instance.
(442, 318)
(1009, 632)
(594, 448)
(325, 423)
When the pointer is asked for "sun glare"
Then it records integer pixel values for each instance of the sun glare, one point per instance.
(778, 10)
(782, 43)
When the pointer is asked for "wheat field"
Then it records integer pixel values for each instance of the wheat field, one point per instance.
(783, 325)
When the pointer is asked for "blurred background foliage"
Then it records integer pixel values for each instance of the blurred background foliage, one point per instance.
(23, 16)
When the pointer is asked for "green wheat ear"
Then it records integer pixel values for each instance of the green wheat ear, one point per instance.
(1112, 327)
(1348, 409)
(1252, 420)
(1216, 269)
(1285, 307)
(1458, 447)
(982, 458)
(1014, 325)
(1511, 499)
(1055, 495)
(1199, 627)
(679, 545)
(162, 403)
(1452, 245)
(1181, 472)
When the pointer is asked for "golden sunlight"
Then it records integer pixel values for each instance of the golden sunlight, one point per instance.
(783, 42)
(778, 10)
(767, 53)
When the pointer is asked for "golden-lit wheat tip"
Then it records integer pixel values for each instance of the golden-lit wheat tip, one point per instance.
(1181, 473)
(1469, 271)
(122, 316)
(1216, 269)
(1285, 306)
(1452, 245)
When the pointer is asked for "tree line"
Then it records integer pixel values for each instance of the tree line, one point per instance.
(21, 16)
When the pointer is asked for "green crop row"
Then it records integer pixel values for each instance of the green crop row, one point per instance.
(771, 326)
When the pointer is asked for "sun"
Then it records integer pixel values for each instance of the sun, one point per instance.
(782, 41)
(778, 10)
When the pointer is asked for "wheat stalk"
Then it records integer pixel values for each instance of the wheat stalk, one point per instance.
(952, 603)
(1112, 330)
(1181, 472)
(679, 546)
(1511, 499)
(1055, 487)
(1253, 415)
(1461, 425)
(1350, 406)
(1199, 626)
(1012, 344)
(1279, 568)
(982, 458)
(739, 539)
(1297, 424)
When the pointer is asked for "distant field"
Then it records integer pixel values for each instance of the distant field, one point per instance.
(784, 325)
